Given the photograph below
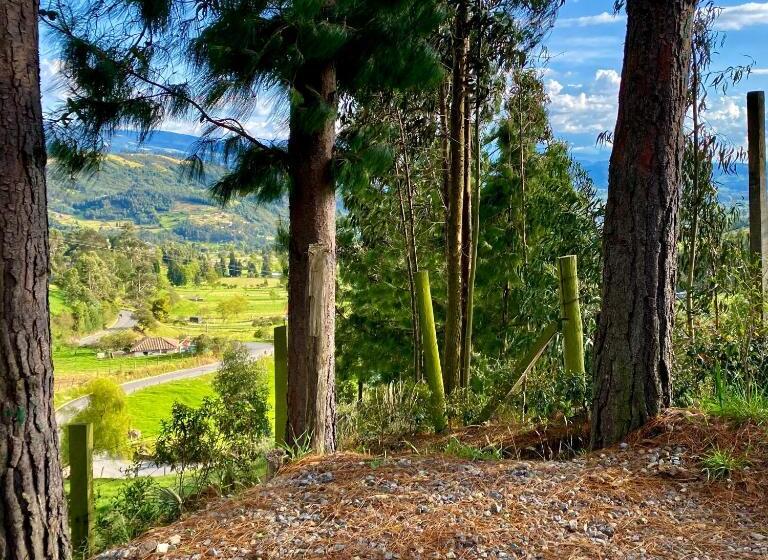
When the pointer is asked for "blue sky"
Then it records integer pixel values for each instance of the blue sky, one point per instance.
(582, 76)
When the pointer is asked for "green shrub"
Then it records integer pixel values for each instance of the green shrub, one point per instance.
(221, 441)
(739, 405)
(141, 504)
(460, 450)
(721, 464)
(387, 412)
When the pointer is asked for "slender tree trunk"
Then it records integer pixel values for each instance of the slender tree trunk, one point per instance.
(33, 519)
(694, 233)
(445, 144)
(466, 242)
(633, 346)
(523, 205)
(312, 266)
(410, 268)
(409, 222)
(467, 364)
(453, 319)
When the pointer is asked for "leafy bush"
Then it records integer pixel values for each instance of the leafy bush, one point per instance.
(121, 340)
(469, 452)
(107, 412)
(387, 412)
(141, 504)
(220, 442)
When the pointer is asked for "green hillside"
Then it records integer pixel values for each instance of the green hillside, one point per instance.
(150, 191)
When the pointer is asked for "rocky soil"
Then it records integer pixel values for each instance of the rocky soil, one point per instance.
(647, 498)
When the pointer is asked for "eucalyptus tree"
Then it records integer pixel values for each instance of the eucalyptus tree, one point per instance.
(310, 56)
(705, 149)
(33, 520)
(633, 345)
(486, 40)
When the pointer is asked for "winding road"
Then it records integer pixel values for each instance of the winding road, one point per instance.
(125, 320)
(67, 411)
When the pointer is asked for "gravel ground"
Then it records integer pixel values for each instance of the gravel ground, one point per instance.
(644, 499)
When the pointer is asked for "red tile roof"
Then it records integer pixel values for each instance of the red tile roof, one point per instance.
(155, 344)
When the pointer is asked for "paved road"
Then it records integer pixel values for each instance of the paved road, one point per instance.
(125, 320)
(66, 412)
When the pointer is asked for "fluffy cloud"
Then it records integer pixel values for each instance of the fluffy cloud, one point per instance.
(587, 109)
(737, 17)
(603, 18)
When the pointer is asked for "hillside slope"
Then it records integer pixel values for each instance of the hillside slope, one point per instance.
(148, 190)
(646, 499)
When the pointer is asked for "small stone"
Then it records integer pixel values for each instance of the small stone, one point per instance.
(573, 526)
(757, 536)
(162, 548)
(175, 540)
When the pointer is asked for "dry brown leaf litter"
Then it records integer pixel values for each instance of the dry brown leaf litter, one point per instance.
(648, 499)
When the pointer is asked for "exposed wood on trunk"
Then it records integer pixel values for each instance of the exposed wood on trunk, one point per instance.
(453, 321)
(633, 345)
(312, 268)
(33, 520)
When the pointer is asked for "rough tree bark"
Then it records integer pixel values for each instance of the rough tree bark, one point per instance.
(633, 346)
(33, 521)
(312, 265)
(453, 312)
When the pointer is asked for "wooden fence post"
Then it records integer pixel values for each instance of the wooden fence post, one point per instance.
(431, 352)
(573, 328)
(758, 198)
(281, 384)
(81, 488)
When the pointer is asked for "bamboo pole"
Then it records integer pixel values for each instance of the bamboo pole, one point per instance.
(573, 328)
(81, 488)
(431, 353)
(522, 368)
(281, 384)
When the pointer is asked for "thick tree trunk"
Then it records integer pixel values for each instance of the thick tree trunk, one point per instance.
(33, 521)
(312, 266)
(633, 346)
(453, 317)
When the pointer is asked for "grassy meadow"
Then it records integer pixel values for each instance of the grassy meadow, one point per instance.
(262, 301)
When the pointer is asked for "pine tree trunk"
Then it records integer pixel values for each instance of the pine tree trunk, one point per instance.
(312, 266)
(633, 346)
(453, 317)
(33, 521)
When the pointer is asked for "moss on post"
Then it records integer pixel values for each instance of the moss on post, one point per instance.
(281, 384)
(81, 488)
(573, 328)
(431, 352)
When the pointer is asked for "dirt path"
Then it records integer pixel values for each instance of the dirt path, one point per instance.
(646, 500)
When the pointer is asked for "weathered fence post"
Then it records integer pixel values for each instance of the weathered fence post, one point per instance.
(281, 383)
(573, 328)
(81, 488)
(431, 352)
(758, 198)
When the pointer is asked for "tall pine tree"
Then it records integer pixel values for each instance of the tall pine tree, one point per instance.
(309, 55)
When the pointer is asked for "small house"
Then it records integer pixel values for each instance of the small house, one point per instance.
(155, 346)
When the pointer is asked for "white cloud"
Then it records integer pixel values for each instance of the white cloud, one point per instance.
(608, 77)
(733, 18)
(604, 18)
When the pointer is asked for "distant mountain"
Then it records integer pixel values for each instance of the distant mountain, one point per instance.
(148, 190)
(734, 188)
(160, 142)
